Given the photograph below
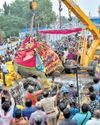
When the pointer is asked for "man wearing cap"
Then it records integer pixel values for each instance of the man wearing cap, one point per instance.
(39, 117)
(72, 91)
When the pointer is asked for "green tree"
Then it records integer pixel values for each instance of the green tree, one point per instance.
(11, 25)
(44, 13)
(6, 8)
(20, 8)
(20, 16)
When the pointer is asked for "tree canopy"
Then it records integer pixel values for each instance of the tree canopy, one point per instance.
(44, 13)
(17, 15)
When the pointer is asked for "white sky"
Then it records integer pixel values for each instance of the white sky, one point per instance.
(86, 5)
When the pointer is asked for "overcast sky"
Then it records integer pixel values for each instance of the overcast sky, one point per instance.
(86, 5)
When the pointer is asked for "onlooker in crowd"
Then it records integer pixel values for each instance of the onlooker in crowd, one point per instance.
(91, 90)
(64, 96)
(6, 58)
(16, 108)
(29, 109)
(65, 55)
(82, 117)
(39, 117)
(19, 120)
(98, 97)
(72, 91)
(73, 109)
(8, 51)
(96, 85)
(6, 108)
(70, 55)
(4, 71)
(94, 104)
(67, 120)
(60, 116)
(96, 88)
(48, 103)
(32, 95)
(96, 119)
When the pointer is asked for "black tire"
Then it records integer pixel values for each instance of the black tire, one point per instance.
(92, 63)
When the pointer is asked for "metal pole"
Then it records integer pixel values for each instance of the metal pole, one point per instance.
(76, 71)
(60, 9)
(99, 11)
(33, 6)
(32, 23)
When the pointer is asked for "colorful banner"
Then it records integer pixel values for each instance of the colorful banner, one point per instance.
(39, 64)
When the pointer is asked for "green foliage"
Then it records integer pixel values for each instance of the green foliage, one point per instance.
(18, 15)
(11, 25)
(44, 13)
(6, 8)
(20, 8)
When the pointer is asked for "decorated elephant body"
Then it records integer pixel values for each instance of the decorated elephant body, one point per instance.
(36, 59)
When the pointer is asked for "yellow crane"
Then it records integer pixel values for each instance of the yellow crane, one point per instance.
(87, 55)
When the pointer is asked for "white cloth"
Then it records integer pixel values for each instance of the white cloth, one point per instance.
(65, 54)
(93, 121)
(4, 68)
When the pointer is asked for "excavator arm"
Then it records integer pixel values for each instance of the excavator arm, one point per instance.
(91, 51)
(71, 5)
(86, 56)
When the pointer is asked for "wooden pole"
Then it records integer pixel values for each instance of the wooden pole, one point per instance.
(32, 23)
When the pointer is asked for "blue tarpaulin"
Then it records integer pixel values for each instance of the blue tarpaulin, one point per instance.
(28, 29)
(95, 20)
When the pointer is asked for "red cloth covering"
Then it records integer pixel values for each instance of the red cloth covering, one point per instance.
(28, 63)
(26, 56)
(60, 31)
(27, 39)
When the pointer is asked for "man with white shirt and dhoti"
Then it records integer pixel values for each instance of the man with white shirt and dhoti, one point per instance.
(4, 70)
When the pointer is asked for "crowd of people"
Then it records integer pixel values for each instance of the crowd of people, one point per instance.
(67, 48)
(9, 53)
(57, 106)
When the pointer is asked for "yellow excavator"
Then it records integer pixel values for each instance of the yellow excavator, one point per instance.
(87, 55)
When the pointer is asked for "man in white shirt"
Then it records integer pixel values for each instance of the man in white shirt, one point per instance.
(4, 71)
(65, 55)
(96, 119)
